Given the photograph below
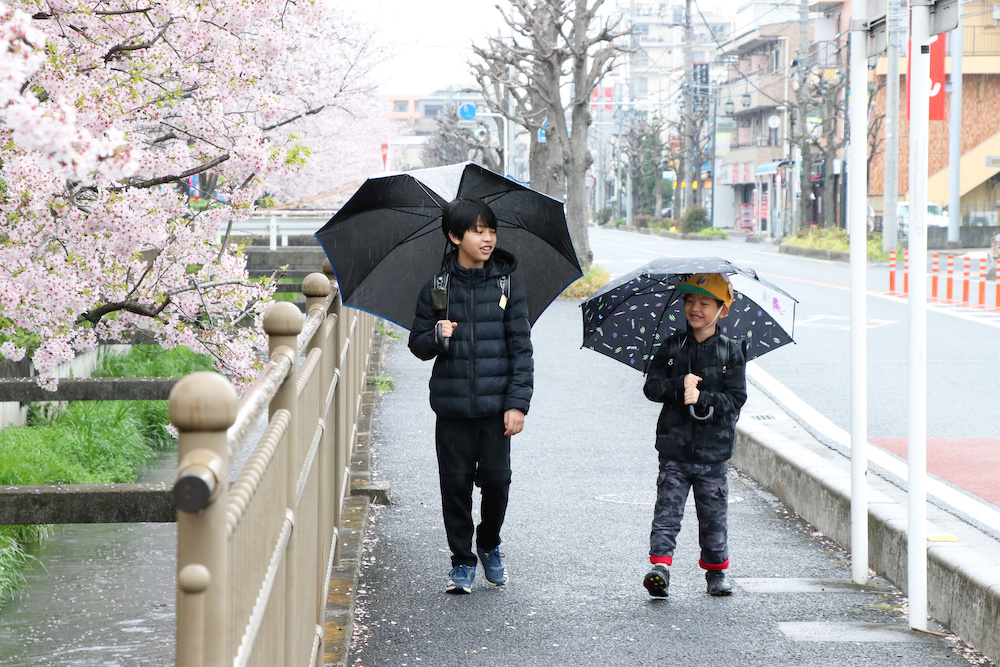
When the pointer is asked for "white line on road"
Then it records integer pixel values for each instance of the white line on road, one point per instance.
(961, 502)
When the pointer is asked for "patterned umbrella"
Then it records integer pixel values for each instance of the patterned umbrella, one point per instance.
(629, 317)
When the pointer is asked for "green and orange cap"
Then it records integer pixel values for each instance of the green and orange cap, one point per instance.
(713, 285)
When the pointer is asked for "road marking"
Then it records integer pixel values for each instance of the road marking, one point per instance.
(968, 505)
(839, 322)
(829, 631)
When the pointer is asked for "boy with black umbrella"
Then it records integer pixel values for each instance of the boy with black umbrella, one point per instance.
(472, 319)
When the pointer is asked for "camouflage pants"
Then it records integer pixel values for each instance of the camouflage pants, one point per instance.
(711, 498)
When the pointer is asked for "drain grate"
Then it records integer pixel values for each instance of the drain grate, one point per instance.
(763, 418)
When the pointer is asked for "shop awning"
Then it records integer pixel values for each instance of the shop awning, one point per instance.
(768, 168)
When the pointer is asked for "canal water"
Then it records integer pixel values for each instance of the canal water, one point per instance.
(98, 595)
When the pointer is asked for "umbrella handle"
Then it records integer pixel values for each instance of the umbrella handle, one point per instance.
(711, 411)
(442, 341)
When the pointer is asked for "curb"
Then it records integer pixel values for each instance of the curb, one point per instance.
(341, 595)
(815, 253)
(963, 583)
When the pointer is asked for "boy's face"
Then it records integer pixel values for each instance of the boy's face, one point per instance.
(701, 310)
(475, 246)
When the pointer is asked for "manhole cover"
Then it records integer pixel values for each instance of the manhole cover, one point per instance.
(645, 498)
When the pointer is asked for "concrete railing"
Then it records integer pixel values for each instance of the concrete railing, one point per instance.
(254, 557)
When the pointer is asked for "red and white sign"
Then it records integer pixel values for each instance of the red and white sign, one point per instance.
(746, 216)
(608, 97)
(937, 97)
(763, 205)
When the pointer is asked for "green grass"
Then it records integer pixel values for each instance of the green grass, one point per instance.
(594, 279)
(712, 231)
(87, 442)
(835, 239)
(382, 382)
(383, 330)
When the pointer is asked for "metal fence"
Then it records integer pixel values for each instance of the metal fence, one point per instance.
(254, 557)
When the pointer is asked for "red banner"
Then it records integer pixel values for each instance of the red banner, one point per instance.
(937, 78)
(937, 97)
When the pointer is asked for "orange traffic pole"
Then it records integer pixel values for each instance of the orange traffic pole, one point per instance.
(934, 277)
(965, 280)
(906, 273)
(982, 283)
(892, 272)
(949, 290)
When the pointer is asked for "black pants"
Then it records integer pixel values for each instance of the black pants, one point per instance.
(473, 452)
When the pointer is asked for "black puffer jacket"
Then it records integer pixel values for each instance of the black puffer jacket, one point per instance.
(488, 368)
(679, 436)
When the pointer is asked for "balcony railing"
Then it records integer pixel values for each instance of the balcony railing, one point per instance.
(981, 40)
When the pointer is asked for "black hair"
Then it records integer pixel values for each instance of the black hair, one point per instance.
(461, 215)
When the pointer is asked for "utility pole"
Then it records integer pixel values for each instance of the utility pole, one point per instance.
(955, 136)
(916, 448)
(895, 29)
(857, 203)
(690, 141)
(802, 101)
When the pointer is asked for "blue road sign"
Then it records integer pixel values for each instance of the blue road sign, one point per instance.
(467, 111)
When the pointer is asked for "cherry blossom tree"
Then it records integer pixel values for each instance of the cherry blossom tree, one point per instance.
(107, 109)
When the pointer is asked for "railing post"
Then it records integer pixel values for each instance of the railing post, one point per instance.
(341, 461)
(282, 324)
(316, 288)
(202, 406)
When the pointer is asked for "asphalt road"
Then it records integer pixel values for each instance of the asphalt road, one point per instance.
(576, 540)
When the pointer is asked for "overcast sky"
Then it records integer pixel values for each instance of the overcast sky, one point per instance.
(432, 38)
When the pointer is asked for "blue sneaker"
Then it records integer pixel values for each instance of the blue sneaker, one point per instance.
(460, 579)
(493, 567)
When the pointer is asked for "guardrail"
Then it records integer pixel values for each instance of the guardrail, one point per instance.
(254, 558)
(279, 225)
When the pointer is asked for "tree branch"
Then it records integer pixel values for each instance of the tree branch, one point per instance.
(178, 177)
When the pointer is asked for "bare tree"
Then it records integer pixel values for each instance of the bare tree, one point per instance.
(876, 138)
(451, 143)
(541, 77)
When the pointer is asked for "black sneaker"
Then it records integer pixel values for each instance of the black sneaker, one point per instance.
(717, 583)
(657, 581)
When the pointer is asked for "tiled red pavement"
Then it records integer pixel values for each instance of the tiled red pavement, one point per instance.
(970, 463)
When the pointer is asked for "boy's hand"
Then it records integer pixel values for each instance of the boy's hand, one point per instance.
(447, 327)
(691, 393)
(513, 422)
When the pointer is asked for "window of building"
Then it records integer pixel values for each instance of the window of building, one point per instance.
(432, 110)
(401, 106)
(640, 59)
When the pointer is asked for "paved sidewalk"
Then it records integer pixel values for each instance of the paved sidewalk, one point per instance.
(576, 540)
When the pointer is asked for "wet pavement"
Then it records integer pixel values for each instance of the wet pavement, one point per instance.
(576, 541)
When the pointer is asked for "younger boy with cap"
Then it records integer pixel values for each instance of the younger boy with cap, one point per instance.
(700, 377)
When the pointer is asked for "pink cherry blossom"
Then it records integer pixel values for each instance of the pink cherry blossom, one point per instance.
(106, 111)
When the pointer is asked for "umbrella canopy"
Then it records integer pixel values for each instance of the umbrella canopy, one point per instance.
(386, 241)
(629, 317)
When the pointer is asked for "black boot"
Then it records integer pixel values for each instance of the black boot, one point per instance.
(717, 584)
(657, 581)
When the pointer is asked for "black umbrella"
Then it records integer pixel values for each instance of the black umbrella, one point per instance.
(629, 317)
(386, 241)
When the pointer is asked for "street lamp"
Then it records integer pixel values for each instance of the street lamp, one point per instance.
(745, 100)
(729, 107)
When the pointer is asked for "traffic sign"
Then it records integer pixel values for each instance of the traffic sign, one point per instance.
(467, 111)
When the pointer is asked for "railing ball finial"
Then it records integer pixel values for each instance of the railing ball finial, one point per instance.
(203, 401)
(316, 284)
(283, 318)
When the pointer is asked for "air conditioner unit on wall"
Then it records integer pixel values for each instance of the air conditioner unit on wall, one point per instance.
(996, 12)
